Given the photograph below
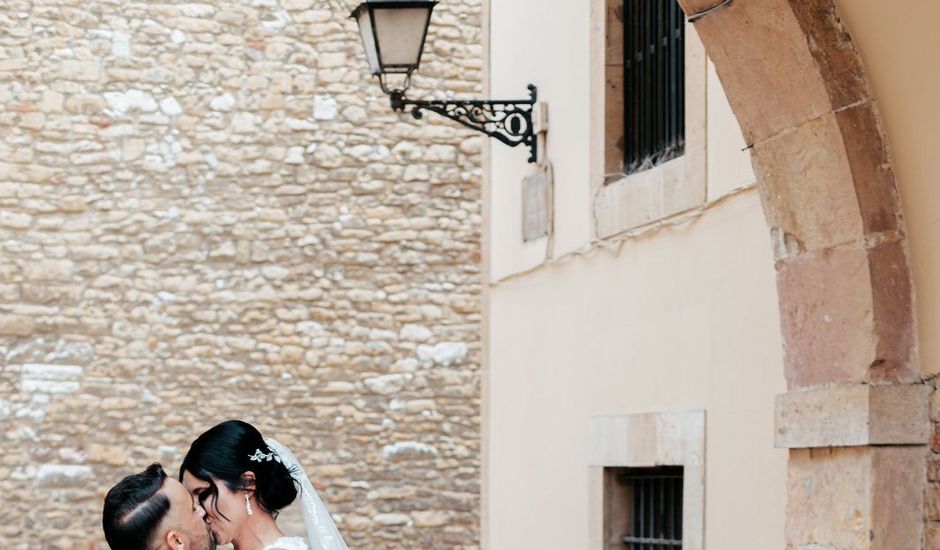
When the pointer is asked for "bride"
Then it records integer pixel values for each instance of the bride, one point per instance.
(243, 481)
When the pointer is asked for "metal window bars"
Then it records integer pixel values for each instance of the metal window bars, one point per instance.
(656, 508)
(654, 83)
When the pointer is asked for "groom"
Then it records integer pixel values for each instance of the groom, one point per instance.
(148, 511)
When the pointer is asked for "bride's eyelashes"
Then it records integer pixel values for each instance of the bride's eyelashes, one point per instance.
(211, 493)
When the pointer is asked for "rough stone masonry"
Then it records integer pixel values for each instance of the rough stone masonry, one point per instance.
(207, 211)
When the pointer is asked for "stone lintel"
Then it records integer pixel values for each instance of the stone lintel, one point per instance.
(853, 415)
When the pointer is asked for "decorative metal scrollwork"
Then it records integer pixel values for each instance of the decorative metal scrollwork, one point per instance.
(508, 121)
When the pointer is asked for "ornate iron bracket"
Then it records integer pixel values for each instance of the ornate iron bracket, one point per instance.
(507, 121)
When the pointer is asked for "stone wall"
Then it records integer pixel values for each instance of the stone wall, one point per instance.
(207, 211)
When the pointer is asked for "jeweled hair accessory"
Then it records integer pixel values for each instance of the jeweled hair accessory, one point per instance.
(260, 456)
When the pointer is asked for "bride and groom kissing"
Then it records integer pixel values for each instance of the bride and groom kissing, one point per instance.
(231, 486)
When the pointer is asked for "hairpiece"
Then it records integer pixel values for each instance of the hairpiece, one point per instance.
(260, 456)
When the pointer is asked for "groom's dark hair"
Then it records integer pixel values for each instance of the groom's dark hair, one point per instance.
(134, 509)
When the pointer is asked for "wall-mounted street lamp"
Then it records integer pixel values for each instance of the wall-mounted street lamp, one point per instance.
(393, 34)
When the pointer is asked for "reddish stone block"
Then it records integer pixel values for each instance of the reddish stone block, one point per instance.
(874, 181)
(897, 508)
(847, 316)
(832, 47)
(826, 317)
(782, 62)
(764, 62)
(896, 352)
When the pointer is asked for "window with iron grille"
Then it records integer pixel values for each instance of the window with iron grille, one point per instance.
(643, 508)
(647, 71)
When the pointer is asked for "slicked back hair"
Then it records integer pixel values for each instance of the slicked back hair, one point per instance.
(134, 510)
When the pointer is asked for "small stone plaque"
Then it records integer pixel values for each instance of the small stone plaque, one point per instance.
(537, 203)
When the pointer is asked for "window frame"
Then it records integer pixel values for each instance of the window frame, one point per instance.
(622, 202)
(646, 441)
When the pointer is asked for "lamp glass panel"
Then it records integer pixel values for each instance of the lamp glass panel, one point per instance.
(401, 36)
(368, 40)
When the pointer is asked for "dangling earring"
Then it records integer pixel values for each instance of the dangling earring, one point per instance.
(247, 504)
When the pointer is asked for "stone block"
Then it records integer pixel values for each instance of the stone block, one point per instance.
(112, 455)
(935, 406)
(893, 314)
(33, 121)
(845, 317)
(832, 47)
(15, 220)
(409, 450)
(855, 497)
(856, 414)
(429, 518)
(932, 501)
(933, 467)
(82, 70)
(865, 149)
(647, 439)
(799, 47)
(52, 101)
(63, 475)
(51, 379)
(49, 270)
(807, 185)
(828, 181)
(776, 64)
(932, 535)
(16, 325)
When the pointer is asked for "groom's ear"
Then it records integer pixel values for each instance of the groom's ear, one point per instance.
(174, 540)
(248, 481)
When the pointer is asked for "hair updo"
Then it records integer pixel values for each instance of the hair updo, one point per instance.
(223, 454)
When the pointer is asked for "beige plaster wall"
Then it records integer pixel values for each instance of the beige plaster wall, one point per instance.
(900, 46)
(683, 319)
(678, 318)
(568, 70)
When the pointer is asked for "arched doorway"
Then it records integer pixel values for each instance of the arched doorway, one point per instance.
(855, 417)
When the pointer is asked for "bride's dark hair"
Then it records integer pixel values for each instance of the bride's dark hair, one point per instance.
(224, 453)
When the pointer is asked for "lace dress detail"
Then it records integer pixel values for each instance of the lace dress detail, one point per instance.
(287, 543)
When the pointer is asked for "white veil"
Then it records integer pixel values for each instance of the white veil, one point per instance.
(322, 533)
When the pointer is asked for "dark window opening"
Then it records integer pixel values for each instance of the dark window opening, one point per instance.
(643, 508)
(653, 83)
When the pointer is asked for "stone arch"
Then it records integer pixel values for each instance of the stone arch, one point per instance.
(856, 411)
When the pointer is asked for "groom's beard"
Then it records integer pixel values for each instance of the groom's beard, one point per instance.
(212, 543)
(206, 541)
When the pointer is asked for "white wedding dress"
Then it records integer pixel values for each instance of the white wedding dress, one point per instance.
(287, 543)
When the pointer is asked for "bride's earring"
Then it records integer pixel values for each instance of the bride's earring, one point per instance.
(248, 504)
